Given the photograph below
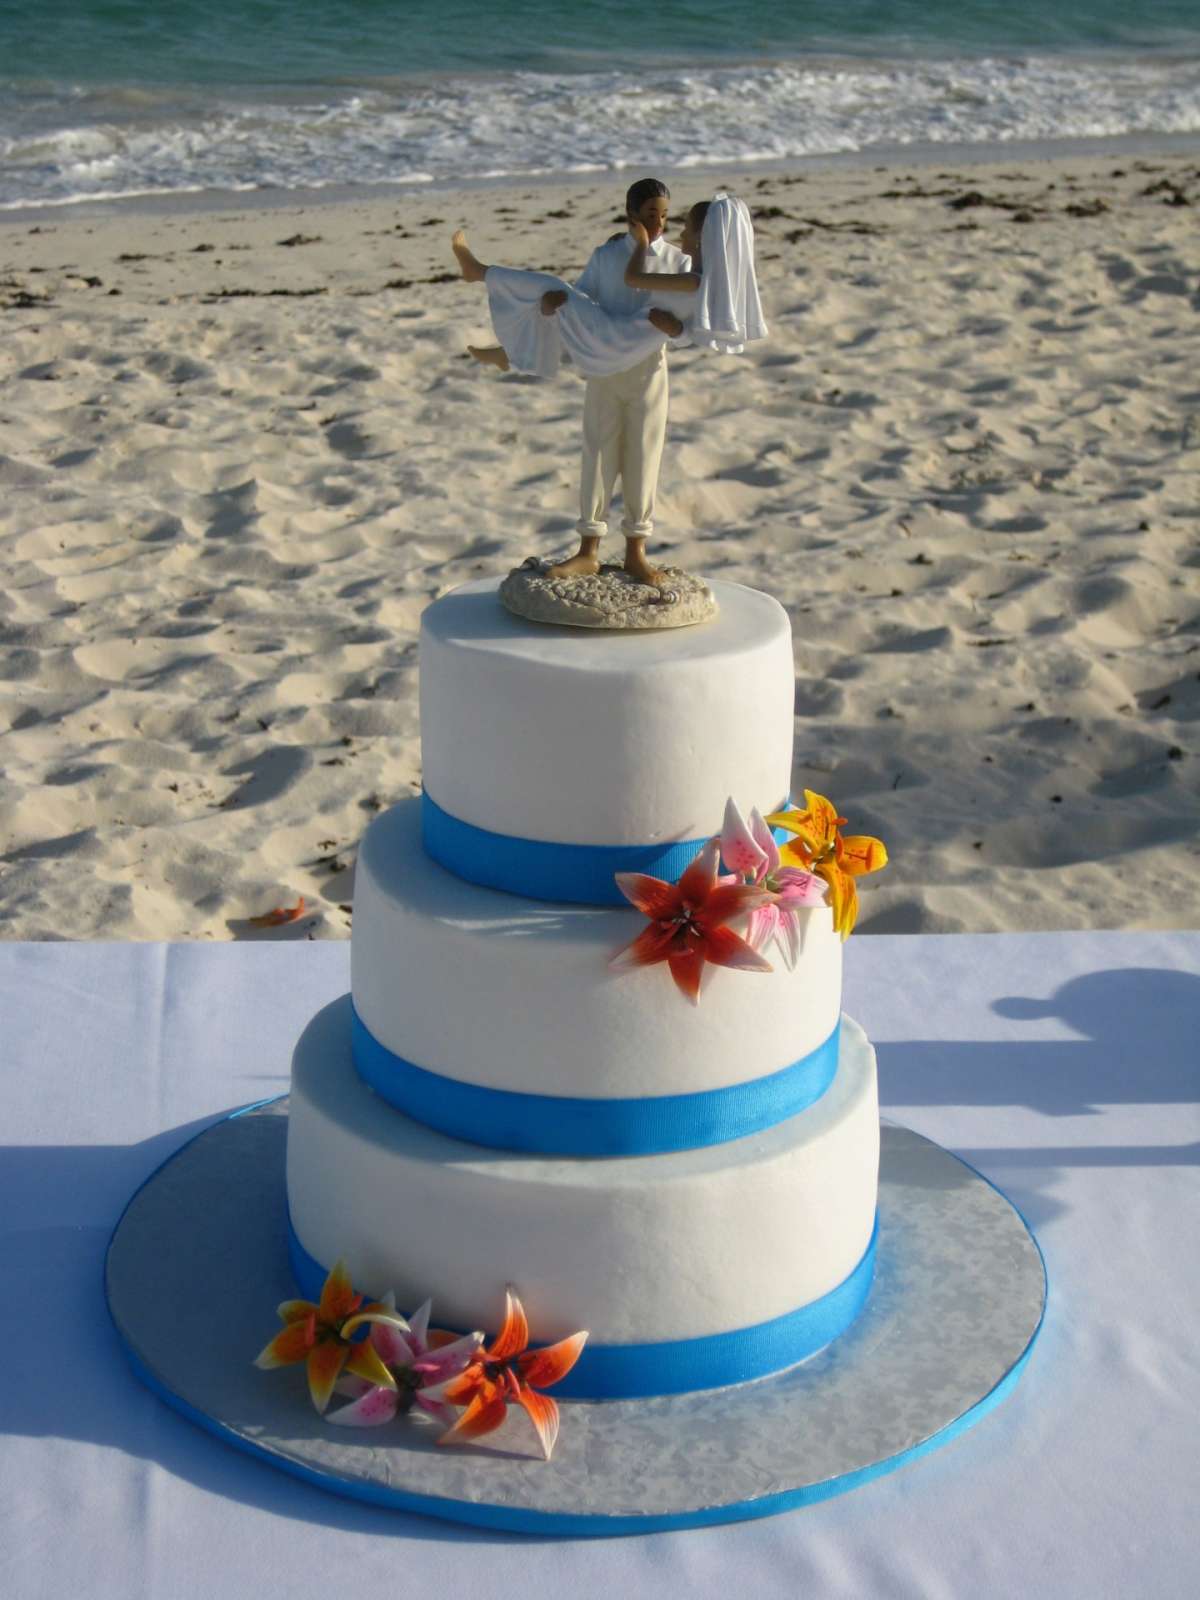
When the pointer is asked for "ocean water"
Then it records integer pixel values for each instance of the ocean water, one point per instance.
(105, 99)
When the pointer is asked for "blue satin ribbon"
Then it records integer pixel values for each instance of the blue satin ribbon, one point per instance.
(679, 1366)
(541, 869)
(560, 1125)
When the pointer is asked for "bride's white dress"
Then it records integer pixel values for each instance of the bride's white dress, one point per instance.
(724, 315)
(596, 342)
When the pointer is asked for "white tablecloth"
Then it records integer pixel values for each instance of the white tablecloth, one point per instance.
(1064, 1066)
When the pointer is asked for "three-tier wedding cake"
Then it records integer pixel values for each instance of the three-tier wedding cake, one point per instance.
(591, 1093)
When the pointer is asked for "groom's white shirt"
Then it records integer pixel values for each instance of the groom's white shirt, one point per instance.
(603, 278)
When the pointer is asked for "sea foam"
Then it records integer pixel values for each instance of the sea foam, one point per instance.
(61, 144)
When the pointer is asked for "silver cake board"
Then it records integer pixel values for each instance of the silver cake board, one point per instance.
(198, 1263)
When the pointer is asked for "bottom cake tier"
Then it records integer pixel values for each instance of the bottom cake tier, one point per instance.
(689, 1270)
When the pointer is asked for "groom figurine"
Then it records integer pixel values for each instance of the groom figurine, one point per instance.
(625, 415)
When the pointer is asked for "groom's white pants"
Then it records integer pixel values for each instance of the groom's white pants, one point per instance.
(624, 425)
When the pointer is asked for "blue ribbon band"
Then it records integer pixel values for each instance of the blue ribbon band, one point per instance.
(680, 1366)
(542, 869)
(560, 1125)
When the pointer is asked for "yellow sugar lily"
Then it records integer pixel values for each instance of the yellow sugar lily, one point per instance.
(318, 1335)
(819, 847)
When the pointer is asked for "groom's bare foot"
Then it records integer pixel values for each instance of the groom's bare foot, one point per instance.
(585, 563)
(469, 264)
(639, 568)
(579, 566)
(491, 355)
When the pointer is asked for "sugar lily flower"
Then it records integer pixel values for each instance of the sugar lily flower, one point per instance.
(688, 922)
(508, 1371)
(792, 891)
(750, 848)
(417, 1358)
(317, 1335)
(819, 847)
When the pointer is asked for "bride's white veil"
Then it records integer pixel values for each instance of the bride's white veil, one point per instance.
(728, 314)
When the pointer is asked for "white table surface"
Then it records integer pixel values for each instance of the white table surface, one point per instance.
(1064, 1066)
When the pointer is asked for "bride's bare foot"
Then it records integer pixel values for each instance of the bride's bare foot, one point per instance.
(469, 264)
(639, 568)
(492, 355)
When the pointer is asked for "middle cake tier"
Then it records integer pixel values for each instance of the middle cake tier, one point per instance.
(500, 1020)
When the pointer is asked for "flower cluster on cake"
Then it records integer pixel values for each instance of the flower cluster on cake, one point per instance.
(691, 921)
(400, 1366)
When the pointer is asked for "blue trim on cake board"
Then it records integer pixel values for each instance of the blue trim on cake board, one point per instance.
(509, 1519)
(564, 1125)
(542, 869)
(561, 1525)
(679, 1366)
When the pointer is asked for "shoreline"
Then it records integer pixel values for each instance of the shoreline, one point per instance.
(244, 447)
(207, 202)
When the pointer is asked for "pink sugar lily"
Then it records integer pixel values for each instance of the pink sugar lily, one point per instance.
(415, 1356)
(793, 891)
(749, 849)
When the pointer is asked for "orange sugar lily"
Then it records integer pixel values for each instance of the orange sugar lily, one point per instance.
(688, 922)
(280, 915)
(820, 847)
(508, 1370)
(317, 1335)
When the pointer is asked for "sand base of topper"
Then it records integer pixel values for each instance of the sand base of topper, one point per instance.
(198, 1262)
(609, 598)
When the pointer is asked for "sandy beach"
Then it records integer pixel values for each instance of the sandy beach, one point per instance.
(241, 450)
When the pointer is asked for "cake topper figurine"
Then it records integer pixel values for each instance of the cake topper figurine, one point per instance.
(636, 293)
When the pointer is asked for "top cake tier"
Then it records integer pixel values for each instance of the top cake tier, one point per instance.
(554, 757)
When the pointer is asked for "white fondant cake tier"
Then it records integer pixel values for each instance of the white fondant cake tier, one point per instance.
(635, 1250)
(515, 994)
(600, 738)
